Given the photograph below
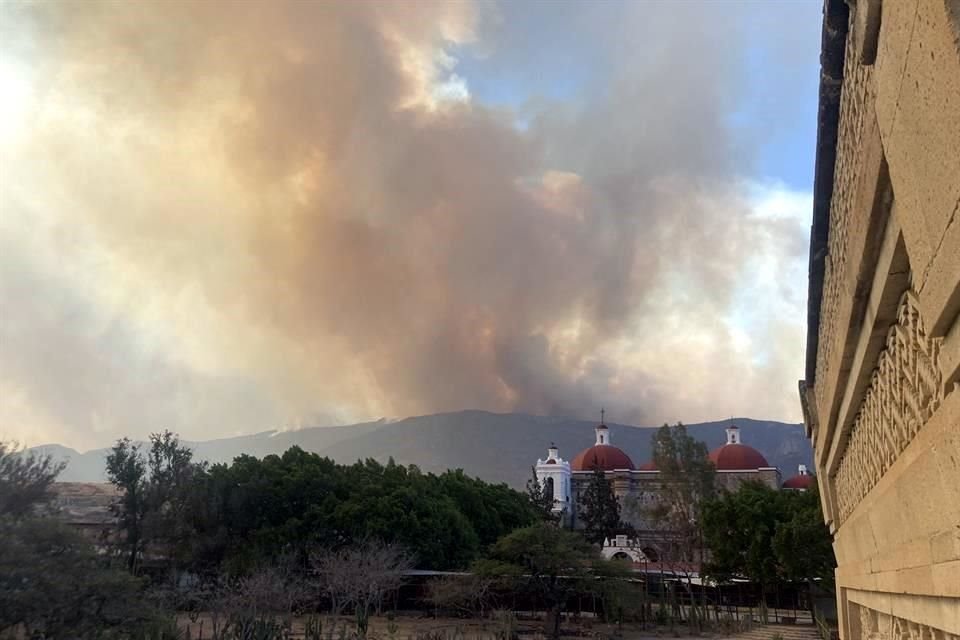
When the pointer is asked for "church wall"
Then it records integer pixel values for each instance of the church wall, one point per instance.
(880, 399)
(640, 488)
(732, 480)
(627, 486)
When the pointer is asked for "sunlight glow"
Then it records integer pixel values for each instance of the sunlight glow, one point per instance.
(16, 96)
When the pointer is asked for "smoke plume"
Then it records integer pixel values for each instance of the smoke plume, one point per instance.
(221, 217)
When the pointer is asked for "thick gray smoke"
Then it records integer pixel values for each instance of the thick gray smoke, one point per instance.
(223, 217)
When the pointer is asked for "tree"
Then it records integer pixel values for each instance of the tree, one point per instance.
(465, 593)
(270, 590)
(404, 506)
(767, 536)
(492, 509)
(170, 495)
(548, 562)
(599, 509)
(154, 493)
(126, 470)
(248, 512)
(806, 530)
(360, 577)
(53, 584)
(25, 480)
(738, 531)
(52, 581)
(236, 517)
(540, 496)
(687, 481)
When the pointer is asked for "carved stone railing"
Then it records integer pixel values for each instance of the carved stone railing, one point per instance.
(875, 625)
(858, 92)
(906, 389)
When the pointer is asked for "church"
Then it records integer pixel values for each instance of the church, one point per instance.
(735, 462)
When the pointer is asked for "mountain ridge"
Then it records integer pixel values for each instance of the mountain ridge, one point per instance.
(498, 447)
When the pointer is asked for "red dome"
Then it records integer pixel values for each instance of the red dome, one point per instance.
(733, 457)
(648, 466)
(799, 482)
(551, 461)
(605, 456)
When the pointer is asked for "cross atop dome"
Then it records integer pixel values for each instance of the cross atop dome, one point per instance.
(603, 433)
(736, 456)
(802, 481)
(733, 434)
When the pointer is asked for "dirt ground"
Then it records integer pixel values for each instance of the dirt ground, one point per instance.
(410, 627)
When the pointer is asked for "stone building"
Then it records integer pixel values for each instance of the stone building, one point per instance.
(880, 395)
(735, 464)
(85, 506)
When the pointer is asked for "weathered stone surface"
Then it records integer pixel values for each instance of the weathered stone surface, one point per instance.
(882, 403)
(923, 150)
(866, 31)
(940, 297)
(905, 391)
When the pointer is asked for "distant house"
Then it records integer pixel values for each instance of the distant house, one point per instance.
(85, 506)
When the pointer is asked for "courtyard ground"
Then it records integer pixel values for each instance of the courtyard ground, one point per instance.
(407, 627)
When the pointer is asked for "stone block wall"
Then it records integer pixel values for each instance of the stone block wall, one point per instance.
(881, 401)
(732, 480)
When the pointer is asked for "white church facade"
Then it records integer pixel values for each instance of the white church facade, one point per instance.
(735, 462)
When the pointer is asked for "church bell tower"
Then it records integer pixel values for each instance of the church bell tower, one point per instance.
(554, 472)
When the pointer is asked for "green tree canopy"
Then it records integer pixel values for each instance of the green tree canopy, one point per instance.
(548, 562)
(541, 498)
(802, 543)
(155, 494)
(599, 509)
(254, 509)
(25, 480)
(53, 583)
(687, 482)
(766, 535)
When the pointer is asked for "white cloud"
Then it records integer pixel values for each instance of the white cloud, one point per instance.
(452, 89)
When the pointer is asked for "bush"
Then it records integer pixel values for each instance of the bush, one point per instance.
(54, 584)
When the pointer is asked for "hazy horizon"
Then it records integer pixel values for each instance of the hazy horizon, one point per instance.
(496, 447)
(273, 431)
